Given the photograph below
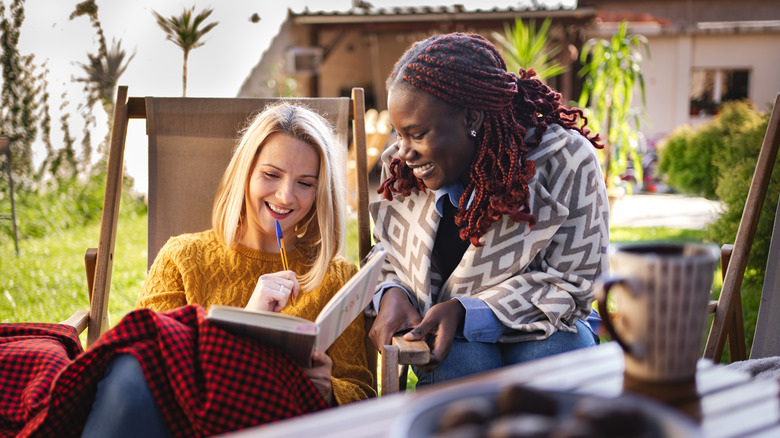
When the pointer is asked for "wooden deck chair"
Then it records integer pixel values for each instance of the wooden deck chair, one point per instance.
(377, 132)
(766, 340)
(727, 318)
(191, 141)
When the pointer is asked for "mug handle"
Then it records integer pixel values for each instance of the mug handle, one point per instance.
(601, 296)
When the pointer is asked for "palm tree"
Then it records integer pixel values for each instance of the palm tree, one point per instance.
(183, 31)
(102, 75)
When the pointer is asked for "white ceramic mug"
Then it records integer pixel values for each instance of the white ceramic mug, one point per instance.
(660, 293)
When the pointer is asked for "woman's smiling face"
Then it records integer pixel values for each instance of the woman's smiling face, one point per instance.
(283, 187)
(433, 136)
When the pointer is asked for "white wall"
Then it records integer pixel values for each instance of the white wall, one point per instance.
(667, 73)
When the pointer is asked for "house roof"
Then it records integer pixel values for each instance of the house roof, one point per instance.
(374, 18)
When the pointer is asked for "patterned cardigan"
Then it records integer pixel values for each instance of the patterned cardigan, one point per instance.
(536, 281)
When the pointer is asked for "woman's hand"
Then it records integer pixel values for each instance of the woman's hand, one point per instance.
(396, 313)
(319, 374)
(440, 323)
(273, 290)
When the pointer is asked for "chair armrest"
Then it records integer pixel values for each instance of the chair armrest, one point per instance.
(725, 256)
(411, 352)
(400, 353)
(90, 261)
(78, 320)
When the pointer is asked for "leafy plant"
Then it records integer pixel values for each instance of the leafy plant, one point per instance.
(184, 32)
(523, 47)
(101, 76)
(23, 103)
(735, 160)
(612, 70)
(694, 160)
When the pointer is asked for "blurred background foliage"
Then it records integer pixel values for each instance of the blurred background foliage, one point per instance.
(717, 160)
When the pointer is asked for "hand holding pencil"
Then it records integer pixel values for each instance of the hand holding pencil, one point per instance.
(274, 289)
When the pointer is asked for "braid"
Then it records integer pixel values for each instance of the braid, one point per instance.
(466, 70)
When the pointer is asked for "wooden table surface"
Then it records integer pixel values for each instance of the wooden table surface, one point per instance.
(731, 403)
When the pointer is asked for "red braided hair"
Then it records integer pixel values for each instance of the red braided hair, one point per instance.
(466, 70)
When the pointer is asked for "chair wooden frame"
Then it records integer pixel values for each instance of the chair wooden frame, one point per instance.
(727, 319)
(766, 339)
(99, 261)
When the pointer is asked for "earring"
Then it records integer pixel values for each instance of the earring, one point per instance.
(473, 133)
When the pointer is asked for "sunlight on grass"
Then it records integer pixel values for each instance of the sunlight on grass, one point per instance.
(47, 282)
(655, 234)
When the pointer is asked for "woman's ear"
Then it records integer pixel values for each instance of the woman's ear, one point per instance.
(474, 119)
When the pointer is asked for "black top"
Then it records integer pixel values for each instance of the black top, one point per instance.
(448, 248)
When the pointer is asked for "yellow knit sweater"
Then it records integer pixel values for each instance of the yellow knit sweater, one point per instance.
(199, 269)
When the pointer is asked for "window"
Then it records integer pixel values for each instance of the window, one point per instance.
(304, 60)
(711, 87)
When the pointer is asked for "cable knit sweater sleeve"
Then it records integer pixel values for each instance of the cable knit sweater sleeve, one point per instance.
(163, 288)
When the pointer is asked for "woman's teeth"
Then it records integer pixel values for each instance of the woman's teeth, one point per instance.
(420, 172)
(278, 210)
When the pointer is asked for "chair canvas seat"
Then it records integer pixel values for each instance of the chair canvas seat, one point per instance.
(191, 141)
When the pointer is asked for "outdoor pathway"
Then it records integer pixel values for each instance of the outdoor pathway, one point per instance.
(664, 210)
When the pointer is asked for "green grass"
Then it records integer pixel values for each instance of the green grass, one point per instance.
(47, 281)
(648, 234)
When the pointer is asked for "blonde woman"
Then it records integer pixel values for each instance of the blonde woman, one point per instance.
(284, 169)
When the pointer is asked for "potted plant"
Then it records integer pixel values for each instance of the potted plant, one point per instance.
(612, 71)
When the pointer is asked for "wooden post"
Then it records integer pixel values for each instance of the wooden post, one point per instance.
(389, 369)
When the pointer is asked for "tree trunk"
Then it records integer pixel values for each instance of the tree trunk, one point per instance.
(184, 77)
(607, 144)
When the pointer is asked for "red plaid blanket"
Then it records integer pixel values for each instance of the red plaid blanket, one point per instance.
(205, 380)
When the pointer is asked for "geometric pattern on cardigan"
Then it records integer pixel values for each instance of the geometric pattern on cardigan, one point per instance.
(536, 281)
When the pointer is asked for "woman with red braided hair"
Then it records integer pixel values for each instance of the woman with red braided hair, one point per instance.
(495, 213)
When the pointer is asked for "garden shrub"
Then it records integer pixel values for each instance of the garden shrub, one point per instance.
(687, 157)
(736, 163)
(717, 160)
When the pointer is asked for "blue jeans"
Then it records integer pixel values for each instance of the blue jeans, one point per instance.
(124, 406)
(475, 357)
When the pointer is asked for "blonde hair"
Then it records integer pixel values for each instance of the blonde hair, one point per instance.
(329, 207)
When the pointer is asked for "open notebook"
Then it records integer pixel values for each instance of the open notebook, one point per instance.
(299, 337)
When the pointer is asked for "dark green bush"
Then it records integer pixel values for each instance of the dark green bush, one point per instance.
(736, 164)
(718, 160)
(687, 159)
